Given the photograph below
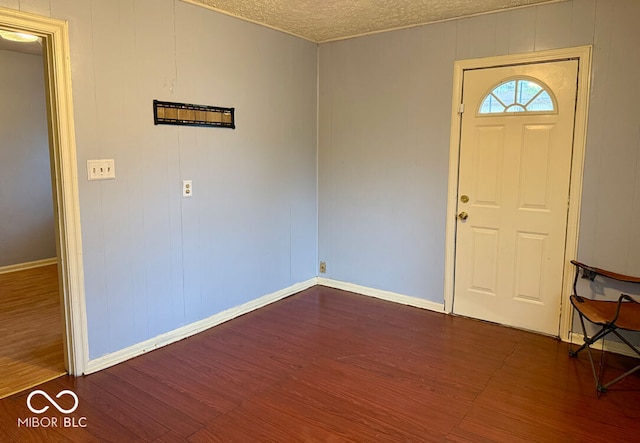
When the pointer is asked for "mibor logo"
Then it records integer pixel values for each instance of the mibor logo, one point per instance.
(52, 421)
(52, 401)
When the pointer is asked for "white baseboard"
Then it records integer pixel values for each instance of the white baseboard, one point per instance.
(191, 329)
(28, 265)
(222, 317)
(609, 346)
(384, 295)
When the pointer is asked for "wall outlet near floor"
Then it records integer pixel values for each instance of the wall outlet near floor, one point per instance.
(323, 267)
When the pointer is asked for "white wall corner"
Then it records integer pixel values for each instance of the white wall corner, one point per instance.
(383, 295)
(182, 332)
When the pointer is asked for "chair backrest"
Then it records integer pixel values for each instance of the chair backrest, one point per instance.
(590, 272)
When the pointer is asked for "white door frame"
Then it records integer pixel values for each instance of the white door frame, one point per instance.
(55, 42)
(583, 55)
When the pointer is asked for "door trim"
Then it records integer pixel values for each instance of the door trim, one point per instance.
(583, 55)
(55, 45)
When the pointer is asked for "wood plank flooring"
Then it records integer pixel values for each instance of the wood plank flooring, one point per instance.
(30, 329)
(327, 365)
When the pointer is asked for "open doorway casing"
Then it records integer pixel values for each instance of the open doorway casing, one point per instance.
(54, 34)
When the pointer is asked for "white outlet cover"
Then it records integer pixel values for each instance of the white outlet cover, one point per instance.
(187, 188)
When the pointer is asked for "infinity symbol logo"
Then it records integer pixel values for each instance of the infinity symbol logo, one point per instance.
(52, 401)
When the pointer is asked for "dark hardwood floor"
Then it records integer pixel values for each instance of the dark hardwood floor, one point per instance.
(327, 365)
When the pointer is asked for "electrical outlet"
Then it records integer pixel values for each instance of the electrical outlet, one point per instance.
(323, 267)
(187, 188)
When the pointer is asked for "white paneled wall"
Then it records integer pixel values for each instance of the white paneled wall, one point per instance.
(611, 205)
(384, 139)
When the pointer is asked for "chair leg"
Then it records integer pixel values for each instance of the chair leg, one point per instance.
(630, 371)
(588, 341)
(620, 377)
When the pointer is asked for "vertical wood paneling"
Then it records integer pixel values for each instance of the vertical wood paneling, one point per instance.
(503, 31)
(482, 36)
(189, 153)
(583, 18)
(374, 177)
(522, 32)
(595, 140)
(152, 260)
(463, 35)
(437, 45)
(11, 4)
(131, 170)
(553, 26)
(304, 235)
(156, 78)
(345, 80)
(618, 166)
(80, 19)
(108, 71)
(40, 7)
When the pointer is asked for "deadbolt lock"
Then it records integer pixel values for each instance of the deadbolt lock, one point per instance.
(464, 198)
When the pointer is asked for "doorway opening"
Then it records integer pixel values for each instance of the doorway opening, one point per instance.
(64, 184)
(29, 284)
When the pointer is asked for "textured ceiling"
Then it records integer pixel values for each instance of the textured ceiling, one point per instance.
(327, 20)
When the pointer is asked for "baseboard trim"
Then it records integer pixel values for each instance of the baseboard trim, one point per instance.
(180, 333)
(384, 295)
(222, 317)
(609, 345)
(28, 265)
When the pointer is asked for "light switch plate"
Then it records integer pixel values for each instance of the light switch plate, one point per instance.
(104, 169)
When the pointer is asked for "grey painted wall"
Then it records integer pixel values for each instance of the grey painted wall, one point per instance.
(385, 103)
(154, 261)
(27, 229)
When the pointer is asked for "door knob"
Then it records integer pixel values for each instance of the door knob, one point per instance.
(463, 216)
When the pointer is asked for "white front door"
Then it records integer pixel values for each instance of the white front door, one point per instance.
(514, 172)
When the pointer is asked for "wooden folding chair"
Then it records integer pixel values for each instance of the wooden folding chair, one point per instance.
(610, 315)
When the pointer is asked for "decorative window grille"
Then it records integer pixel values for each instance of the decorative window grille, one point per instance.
(518, 95)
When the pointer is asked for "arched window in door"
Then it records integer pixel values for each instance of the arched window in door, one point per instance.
(518, 95)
